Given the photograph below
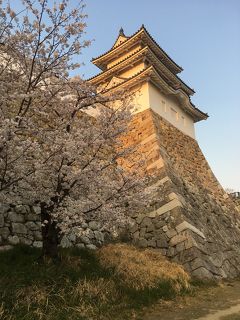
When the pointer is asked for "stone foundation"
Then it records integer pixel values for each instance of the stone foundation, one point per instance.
(195, 223)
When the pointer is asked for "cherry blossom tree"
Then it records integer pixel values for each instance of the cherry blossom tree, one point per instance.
(61, 142)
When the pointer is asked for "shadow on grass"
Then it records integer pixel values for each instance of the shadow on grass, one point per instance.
(33, 290)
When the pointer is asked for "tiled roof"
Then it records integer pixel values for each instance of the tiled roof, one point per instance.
(142, 29)
(191, 91)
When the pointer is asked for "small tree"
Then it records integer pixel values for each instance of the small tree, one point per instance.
(51, 150)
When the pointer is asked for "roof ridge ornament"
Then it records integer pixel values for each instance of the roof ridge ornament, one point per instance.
(121, 32)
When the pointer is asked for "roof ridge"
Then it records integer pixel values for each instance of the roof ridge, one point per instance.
(143, 27)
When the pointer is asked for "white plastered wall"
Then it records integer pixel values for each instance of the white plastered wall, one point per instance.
(168, 107)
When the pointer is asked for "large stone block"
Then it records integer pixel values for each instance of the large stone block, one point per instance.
(142, 232)
(140, 218)
(22, 209)
(91, 247)
(37, 235)
(25, 240)
(146, 222)
(159, 224)
(32, 217)
(4, 208)
(177, 239)
(188, 226)
(65, 242)
(142, 243)
(150, 228)
(180, 247)
(32, 226)
(4, 232)
(37, 244)
(36, 210)
(133, 228)
(171, 233)
(151, 243)
(148, 235)
(99, 236)
(13, 240)
(15, 217)
(93, 225)
(135, 236)
(202, 273)
(72, 237)
(162, 242)
(19, 228)
(80, 245)
(85, 239)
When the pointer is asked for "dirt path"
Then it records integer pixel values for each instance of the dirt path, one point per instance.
(216, 303)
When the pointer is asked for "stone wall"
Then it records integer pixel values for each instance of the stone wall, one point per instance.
(194, 222)
(22, 224)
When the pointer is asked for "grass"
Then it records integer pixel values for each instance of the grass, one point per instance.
(105, 284)
(143, 269)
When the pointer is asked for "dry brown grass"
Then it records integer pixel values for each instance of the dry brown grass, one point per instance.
(96, 291)
(141, 269)
(33, 295)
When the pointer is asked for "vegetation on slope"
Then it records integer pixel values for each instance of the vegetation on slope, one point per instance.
(111, 283)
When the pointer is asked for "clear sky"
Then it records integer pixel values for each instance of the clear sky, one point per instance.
(202, 36)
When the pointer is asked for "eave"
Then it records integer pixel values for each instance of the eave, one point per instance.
(150, 74)
(183, 98)
(142, 36)
(136, 57)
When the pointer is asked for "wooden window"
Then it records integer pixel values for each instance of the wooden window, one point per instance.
(164, 106)
(183, 120)
(174, 114)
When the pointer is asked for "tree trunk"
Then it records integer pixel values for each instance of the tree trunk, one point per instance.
(50, 235)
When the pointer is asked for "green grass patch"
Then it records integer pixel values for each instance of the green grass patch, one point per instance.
(79, 287)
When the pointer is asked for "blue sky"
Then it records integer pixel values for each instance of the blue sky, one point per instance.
(202, 36)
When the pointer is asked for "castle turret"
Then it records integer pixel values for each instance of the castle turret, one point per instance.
(194, 222)
(138, 62)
